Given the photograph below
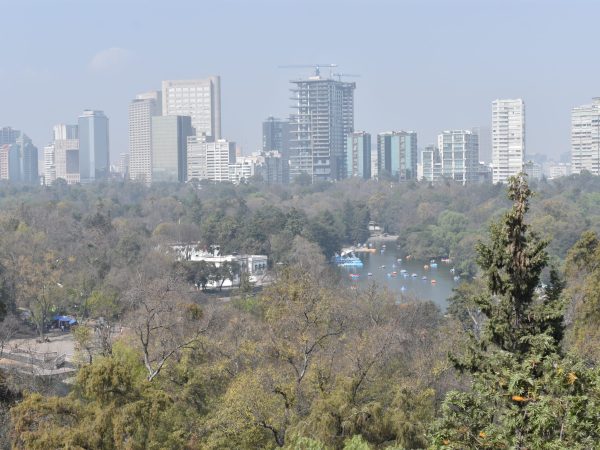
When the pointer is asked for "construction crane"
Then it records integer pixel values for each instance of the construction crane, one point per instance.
(340, 75)
(317, 67)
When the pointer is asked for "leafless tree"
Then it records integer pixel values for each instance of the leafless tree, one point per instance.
(164, 319)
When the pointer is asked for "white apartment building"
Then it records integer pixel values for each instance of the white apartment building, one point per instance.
(141, 110)
(585, 138)
(66, 160)
(61, 158)
(209, 160)
(508, 138)
(459, 156)
(559, 170)
(200, 99)
(49, 167)
(242, 169)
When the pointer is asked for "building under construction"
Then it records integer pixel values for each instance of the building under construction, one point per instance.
(323, 117)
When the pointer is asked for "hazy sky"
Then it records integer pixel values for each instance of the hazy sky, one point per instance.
(425, 65)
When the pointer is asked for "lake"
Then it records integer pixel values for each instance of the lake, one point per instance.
(414, 287)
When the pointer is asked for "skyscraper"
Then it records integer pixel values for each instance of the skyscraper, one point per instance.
(141, 110)
(169, 147)
(8, 135)
(358, 155)
(199, 99)
(459, 156)
(508, 138)
(65, 154)
(276, 137)
(94, 155)
(397, 155)
(585, 138)
(19, 161)
(323, 117)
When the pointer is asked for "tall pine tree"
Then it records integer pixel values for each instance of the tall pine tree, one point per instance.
(525, 393)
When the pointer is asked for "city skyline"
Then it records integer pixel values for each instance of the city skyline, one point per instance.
(435, 94)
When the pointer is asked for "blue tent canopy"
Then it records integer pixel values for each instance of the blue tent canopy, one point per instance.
(70, 320)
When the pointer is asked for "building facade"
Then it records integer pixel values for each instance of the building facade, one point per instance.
(19, 162)
(431, 164)
(585, 138)
(323, 117)
(242, 169)
(169, 147)
(508, 138)
(199, 99)
(94, 154)
(9, 135)
(358, 155)
(276, 137)
(210, 160)
(141, 110)
(458, 157)
(559, 170)
(397, 155)
(271, 167)
(49, 165)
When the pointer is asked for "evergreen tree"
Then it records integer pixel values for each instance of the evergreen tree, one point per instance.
(525, 392)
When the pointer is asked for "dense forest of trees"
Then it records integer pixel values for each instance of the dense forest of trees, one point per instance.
(306, 363)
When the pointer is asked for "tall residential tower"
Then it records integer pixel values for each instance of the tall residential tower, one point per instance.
(323, 117)
(141, 110)
(358, 155)
(508, 138)
(397, 155)
(585, 138)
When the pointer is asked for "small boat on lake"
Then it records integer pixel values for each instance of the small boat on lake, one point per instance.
(433, 282)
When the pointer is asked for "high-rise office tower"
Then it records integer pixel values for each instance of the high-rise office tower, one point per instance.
(19, 161)
(276, 137)
(508, 138)
(397, 155)
(65, 154)
(358, 155)
(94, 155)
(210, 160)
(63, 132)
(458, 155)
(9, 135)
(169, 147)
(141, 110)
(198, 99)
(323, 117)
(585, 138)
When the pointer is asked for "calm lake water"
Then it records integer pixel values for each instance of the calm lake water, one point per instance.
(413, 287)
